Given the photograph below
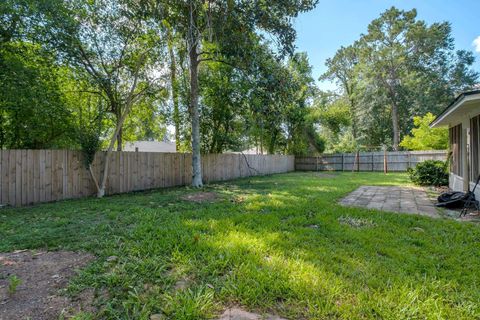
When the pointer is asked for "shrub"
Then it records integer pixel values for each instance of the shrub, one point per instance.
(430, 173)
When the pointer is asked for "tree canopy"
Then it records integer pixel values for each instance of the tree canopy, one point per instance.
(401, 68)
(216, 76)
(94, 74)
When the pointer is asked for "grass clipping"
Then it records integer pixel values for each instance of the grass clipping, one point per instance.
(356, 222)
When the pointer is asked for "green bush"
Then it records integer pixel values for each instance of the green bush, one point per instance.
(430, 173)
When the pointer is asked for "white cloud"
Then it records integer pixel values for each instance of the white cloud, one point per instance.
(476, 44)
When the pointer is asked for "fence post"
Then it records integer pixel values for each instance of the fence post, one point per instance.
(343, 165)
(358, 161)
(385, 166)
(408, 160)
(372, 163)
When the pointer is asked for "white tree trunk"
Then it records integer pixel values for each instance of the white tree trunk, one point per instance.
(196, 157)
(128, 105)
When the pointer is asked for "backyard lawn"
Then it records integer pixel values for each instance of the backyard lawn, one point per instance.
(279, 244)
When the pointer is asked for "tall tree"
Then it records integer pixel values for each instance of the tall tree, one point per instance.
(401, 68)
(302, 136)
(174, 83)
(397, 51)
(342, 68)
(116, 46)
(228, 25)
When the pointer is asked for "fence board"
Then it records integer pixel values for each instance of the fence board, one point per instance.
(4, 185)
(35, 176)
(367, 161)
(18, 176)
(30, 196)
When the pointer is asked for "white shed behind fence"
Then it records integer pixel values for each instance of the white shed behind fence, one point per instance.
(150, 146)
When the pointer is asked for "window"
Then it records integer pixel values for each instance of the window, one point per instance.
(474, 147)
(456, 149)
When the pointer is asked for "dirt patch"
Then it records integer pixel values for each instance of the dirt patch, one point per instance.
(356, 222)
(30, 285)
(238, 199)
(438, 190)
(201, 197)
(239, 314)
(472, 214)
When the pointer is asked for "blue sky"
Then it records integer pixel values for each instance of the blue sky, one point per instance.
(334, 23)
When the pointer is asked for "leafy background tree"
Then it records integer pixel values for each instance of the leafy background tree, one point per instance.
(32, 107)
(423, 137)
(401, 68)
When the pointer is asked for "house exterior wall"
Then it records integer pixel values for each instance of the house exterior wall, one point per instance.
(463, 182)
(455, 182)
(465, 154)
(460, 112)
(477, 190)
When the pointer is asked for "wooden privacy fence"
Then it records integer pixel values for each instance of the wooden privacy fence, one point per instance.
(34, 176)
(367, 161)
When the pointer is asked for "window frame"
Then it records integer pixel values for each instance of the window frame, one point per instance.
(455, 138)
(474, 147)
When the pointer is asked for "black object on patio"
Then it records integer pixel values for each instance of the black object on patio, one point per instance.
(456, 200)
(451, 200)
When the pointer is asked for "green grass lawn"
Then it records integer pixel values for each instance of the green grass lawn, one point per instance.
(279, 244)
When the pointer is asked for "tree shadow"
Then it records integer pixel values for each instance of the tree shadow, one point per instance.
(281, 249)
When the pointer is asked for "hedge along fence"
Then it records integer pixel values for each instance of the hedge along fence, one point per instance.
(367, 161)
(34, 176)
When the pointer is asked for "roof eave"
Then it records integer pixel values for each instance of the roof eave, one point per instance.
(458, 101)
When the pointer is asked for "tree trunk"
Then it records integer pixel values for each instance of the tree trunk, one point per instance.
(121, 116)
(103, 182)
(349, 89)
(118, 116)
(396, 129)
(92, 175)
(120, 140)
(392, 84)
(354, 119)
(195, 115)
(173, 78)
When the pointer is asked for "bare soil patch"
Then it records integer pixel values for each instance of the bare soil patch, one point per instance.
(356, 222)
(201, 196)
(37, 279)
(239, 314)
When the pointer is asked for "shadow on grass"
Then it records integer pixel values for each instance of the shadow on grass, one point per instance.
(281, 248)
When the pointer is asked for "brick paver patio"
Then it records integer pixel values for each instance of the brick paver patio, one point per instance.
(396, 199)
